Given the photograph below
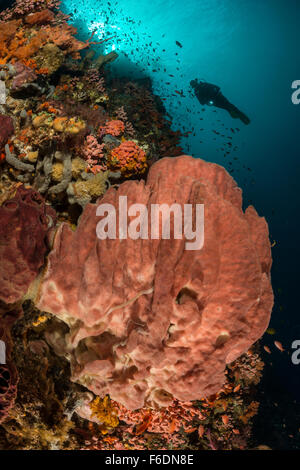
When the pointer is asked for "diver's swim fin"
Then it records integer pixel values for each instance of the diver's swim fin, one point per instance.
(244, 118)
(237, 114)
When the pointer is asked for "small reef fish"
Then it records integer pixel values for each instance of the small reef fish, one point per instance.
(279, 346)
(178, 44)
(172, 426)
(225, 419)
(190, 430)
(271, 331)
(143, 425)
(267, 349)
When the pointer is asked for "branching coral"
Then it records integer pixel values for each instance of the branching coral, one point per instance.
(93, 153)
(122, 115)
(94, 78)
(114, 127)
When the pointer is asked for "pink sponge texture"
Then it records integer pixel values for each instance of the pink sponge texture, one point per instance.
(149, 320)
(25, 224)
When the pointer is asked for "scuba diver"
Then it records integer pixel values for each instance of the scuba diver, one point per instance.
(210, 94)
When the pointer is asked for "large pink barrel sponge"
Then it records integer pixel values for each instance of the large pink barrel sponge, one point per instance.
(25, 224)
(149, 320)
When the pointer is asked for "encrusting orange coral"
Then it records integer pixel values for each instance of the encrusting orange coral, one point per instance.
(105, 412)
(129, 158)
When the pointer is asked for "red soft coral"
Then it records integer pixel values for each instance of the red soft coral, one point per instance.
(114, 127)
(93, 153)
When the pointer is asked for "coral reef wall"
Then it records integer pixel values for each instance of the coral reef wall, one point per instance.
(124, 343)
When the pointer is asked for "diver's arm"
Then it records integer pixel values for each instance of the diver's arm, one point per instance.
(206, 92)
(199, 96)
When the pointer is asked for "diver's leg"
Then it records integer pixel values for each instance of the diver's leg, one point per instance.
(222, 102)
(237, 114)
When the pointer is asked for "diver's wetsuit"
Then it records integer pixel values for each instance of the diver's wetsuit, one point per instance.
(210, 94)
